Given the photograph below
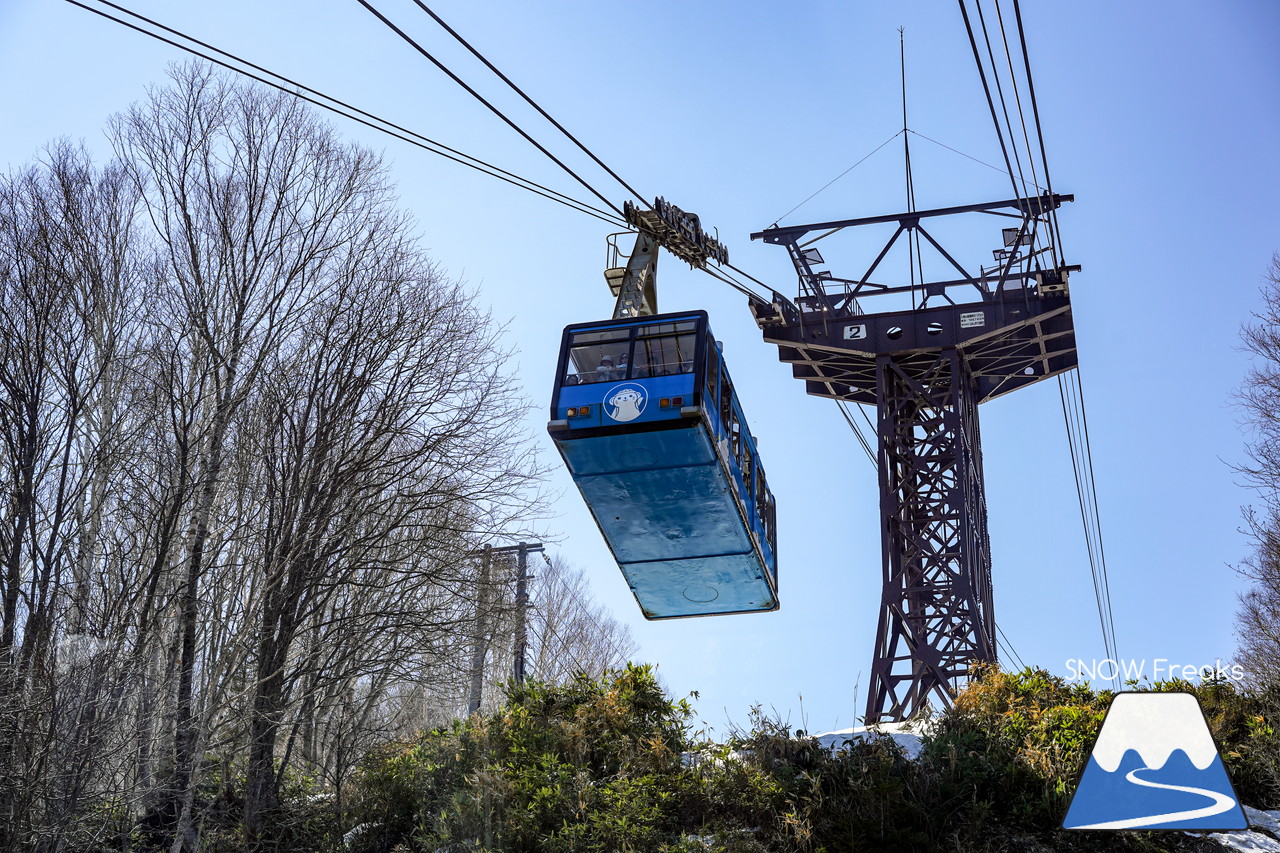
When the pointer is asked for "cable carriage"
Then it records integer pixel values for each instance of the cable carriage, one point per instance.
(646, 418)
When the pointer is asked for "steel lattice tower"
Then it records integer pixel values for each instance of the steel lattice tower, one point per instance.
(926, 369)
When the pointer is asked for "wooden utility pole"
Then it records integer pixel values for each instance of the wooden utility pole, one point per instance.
(480, 638)
(522, 606)
(485, 601)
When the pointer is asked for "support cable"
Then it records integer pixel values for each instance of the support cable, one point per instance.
(1022, 120)
(724, 277)
(1086, 491)
(1070, 388)
(986, 88)
(1009, 645)
(1093, 497)
(748, 275)
(1070, 419)
(1038, 188)
(478, 55)
(1004, 105)
(867, 418)
(853, 425)
(499, 113)
(833, 180)
(1035, 111)
(375, 122)
(344, 109)
(1088, 507)
(915, 257)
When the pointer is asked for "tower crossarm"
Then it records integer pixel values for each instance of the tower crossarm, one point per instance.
(1032, 206)
(1026, 254)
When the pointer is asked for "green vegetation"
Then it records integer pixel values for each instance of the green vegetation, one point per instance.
(591, 765)
(611, 765)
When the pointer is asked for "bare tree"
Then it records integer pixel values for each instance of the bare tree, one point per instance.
(252, 200)
(251, 440)
(67, 290)
(1258, 621)
(572, 633)
(385, 428)
(568, 632)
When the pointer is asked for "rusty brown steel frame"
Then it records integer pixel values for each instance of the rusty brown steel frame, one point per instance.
(926, 370)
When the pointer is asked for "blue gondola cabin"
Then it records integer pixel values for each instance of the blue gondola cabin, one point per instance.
(645, 416)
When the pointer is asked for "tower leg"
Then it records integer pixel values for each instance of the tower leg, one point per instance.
(936, 615)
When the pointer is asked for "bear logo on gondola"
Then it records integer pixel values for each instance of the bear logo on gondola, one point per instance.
(624, 402)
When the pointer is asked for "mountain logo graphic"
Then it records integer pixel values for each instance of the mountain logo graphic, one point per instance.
(1155, 766)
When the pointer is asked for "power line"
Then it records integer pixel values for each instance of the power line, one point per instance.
(344, 109)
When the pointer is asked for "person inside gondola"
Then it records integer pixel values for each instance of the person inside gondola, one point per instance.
(621, 371)
(605, 372)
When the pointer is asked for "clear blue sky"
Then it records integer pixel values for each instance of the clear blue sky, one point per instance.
(1162, 119)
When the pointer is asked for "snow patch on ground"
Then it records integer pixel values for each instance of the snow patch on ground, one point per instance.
(1270, 821)
(704, 758)
(354, 834)
(1247, 842)
(908, 735)
(1253, 841)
